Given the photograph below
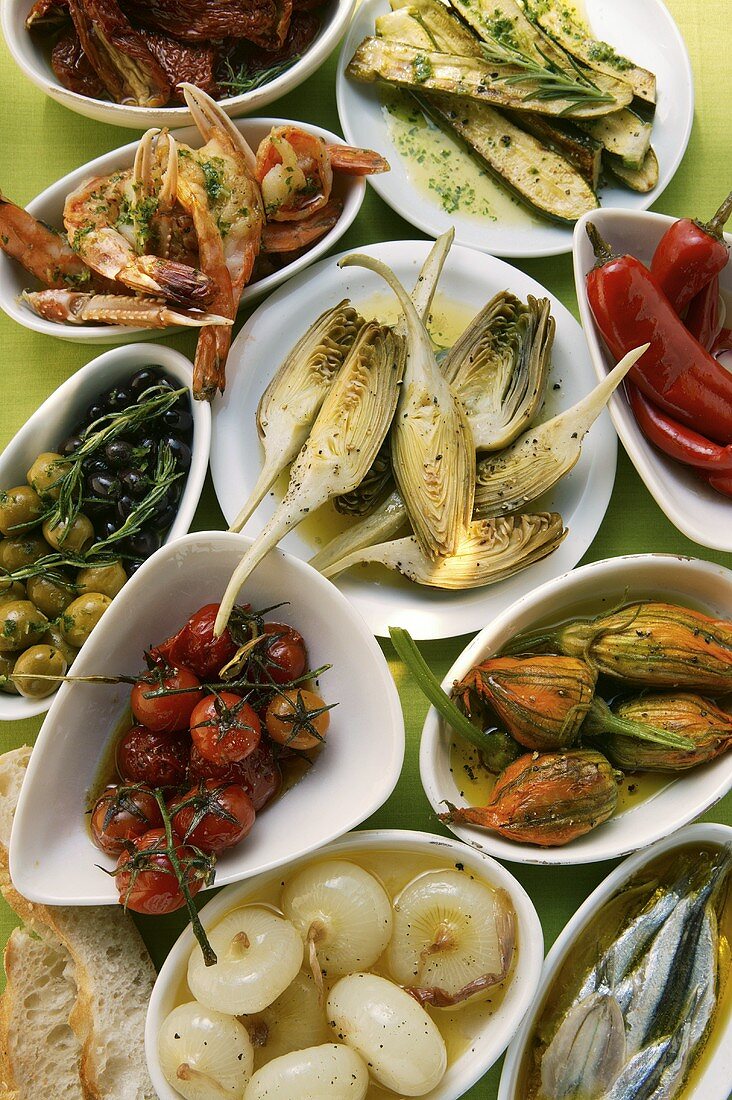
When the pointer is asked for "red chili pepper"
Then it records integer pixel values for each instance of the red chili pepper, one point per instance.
(722, 483)
(676, 372)
(689, 255)
(702, 316)
(675, 440)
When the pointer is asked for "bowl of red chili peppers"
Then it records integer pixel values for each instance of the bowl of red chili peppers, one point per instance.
(649, 278)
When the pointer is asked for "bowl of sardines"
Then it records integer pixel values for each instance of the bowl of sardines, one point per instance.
(644, 968)
(124, 62)
(512, 118)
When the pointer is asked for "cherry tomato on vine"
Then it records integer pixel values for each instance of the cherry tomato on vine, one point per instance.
(121, 814)
(195, 647)
(224, 728)
(298, 719)
(164, 699)
(259, 774)
(213, 815)
(285, 656)
(157, 758)
(146, 879)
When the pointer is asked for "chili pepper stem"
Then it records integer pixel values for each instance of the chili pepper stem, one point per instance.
(601, 720)
(717, 223)
(209, 955)
(603, 251)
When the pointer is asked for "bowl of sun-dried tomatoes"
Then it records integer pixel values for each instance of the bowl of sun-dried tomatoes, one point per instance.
(123, 61)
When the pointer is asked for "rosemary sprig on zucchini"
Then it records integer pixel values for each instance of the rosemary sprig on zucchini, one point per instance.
(547, 81)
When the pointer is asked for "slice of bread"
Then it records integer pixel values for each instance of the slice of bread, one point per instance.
(111, 968)
(39, 1052)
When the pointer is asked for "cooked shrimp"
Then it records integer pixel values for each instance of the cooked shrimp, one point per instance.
(356, 162)
(105, 227)
(294, 172)
(167, 232)
(114, 309)
(216, 186)
(41, 251)
(289, 236)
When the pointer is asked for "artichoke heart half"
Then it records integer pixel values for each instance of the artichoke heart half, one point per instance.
(433, 455)
(344, 441)
(536, 461)
(290, 403)
(499, 367)
(490, 551)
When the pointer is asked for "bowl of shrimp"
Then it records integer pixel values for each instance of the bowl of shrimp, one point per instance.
(179, 229)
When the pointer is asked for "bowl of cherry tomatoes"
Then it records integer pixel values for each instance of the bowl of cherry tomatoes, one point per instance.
(179, 759)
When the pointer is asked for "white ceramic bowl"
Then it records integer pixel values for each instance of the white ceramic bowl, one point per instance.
(55, 419)
(641, 29)
(601, 585)
(482, 1047)
(49, 205)
(713, 1082)
(52, 858)
(29, 54)
(699, 512)
(469, 279)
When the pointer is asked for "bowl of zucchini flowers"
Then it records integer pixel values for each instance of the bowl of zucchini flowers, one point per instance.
(591, 718)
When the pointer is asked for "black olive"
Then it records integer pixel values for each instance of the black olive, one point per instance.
(135, 482)
(142, 380)
(104, 486)
(132, 567)
(70, 445)
(163, 521)
(107, 528)
(178, 420)
(94, 466)
(181, 451)
(149, 444)
(125, 506)
(117, 398)
(143, 543)
(96, 410)
(119, 453)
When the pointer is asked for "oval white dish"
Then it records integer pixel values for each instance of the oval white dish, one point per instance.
(601, 585)
(54, 420)
(698, 511)
(52, 858)
(642, 29)
(482, 1048)
(713, 1081)
(49, 205)
(29, 55)
(469, 279)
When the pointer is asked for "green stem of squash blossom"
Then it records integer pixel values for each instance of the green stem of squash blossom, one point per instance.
(430, 687)
(601, 721)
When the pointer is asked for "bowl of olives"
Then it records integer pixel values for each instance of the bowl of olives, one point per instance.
(107, 469)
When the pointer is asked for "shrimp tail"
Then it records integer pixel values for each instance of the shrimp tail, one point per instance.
(289, 236)
(77, 308)
(176, 282)
(356, 162)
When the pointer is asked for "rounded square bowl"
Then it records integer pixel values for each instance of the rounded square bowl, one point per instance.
(594, 588)
(52, 858)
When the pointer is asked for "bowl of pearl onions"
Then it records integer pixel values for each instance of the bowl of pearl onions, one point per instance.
(387, 963)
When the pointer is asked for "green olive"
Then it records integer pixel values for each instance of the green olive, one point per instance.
(7, 665)
(19, 507)
(39, 660)
(76, 537)
(22, 550)
(50, 597)
(46, 473)
(11, 590)
(107, 579)
(21, 625)
(81, 616)
(55, 638)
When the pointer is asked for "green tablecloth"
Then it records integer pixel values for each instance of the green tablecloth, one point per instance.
(40, 141)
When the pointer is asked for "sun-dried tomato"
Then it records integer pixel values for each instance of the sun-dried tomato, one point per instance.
(118, 54)
(192, 62)
(73, 68)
